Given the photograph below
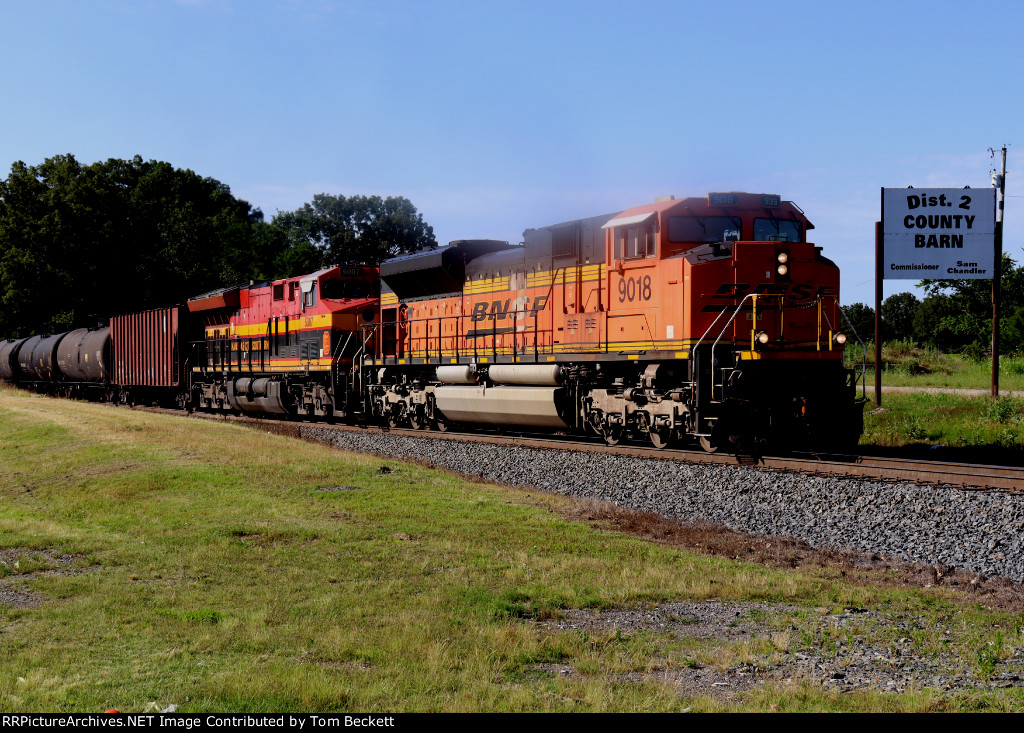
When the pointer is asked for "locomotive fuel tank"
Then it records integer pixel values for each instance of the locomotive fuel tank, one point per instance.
(540, 407)
(257, 395)
(522, 395)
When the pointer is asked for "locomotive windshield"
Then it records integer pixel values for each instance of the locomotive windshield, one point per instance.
(703, 229)
(776, 230)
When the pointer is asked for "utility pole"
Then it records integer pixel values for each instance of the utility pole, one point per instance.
(998, 182)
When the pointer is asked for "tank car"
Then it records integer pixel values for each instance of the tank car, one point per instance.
(37, 358)
(710, 319)
(283, 347)
(84, 357)
(10, 365)
(69, 364)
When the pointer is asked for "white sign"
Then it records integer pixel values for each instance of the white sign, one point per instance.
(938, 233)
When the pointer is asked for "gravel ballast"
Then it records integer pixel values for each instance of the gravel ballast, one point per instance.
(979, 532)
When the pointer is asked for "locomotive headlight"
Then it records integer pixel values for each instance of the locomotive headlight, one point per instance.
(762, 337)
(840, 338)
(782, 266)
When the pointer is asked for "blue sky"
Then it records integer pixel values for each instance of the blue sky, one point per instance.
(497, 116)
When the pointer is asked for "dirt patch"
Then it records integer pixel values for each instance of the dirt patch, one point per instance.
(700, 620)
(788, 553)
(271, 539)
(703, 680)
(25, 562)
(18, 564)
(743, 645)
(687, 682)
(713, 621)
(15, 597)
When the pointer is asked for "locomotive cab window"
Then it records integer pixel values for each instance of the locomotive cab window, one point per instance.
(703, 229)
(635, 242)
(308, 296)
(777, 230)
(279, 291)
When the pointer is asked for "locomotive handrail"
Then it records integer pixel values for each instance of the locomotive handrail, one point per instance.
(753, 297)
(368, 329)
(781, 299)
(863, 346)
(339, 352)
(422, 345)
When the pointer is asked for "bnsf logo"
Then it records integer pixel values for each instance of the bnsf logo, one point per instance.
(517, 309)
(794, 291)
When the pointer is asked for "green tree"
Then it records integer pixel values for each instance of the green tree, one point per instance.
(1011, 332)
(354, 230)
(898, 312)
(82, 242)
(960, 316)
(862, 317)
(929, 314)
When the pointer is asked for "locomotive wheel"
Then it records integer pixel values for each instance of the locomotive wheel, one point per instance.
(441, 425)
(707, 445)
(661, 439)
(416, 421)
(612, 434)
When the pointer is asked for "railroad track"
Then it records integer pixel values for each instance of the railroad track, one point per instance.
(965, 475)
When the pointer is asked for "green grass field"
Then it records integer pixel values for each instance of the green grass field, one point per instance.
(148, 559)
(907, 365)
(974, 428)
(978, 427)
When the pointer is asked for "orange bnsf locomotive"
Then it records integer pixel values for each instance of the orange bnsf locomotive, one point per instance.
(710, 319)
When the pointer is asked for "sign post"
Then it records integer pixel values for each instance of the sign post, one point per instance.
(998, 181)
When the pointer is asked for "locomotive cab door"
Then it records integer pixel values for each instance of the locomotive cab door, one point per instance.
(394, 327)
(632, 297)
